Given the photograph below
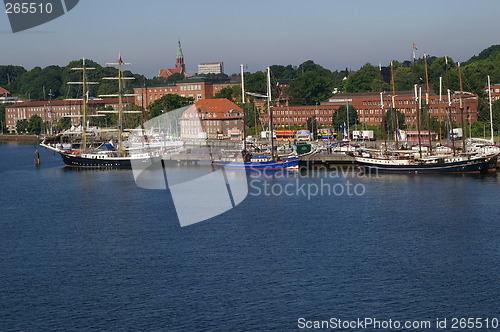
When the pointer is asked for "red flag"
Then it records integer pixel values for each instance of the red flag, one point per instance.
(120, 60)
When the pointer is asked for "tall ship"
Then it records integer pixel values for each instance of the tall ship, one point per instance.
(106, 155)
(414, 162)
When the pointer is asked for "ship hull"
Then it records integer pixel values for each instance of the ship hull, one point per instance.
(71, 160)
(286, 163)
(471, 166)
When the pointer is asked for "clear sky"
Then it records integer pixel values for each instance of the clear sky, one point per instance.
(336, 34)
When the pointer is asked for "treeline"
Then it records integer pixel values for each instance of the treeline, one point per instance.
(52, 82)
(309, 83)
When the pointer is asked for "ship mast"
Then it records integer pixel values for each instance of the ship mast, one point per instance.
(427, 102)
(270, 112)
(120, 96)
(491, 110)
(461, 108)
(85, 96)
(418, 102)
(243, 106)
(394, 114)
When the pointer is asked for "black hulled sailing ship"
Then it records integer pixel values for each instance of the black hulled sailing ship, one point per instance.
(412, 163)
(106, 155)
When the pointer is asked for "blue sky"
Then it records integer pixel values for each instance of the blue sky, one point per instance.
(333, 33)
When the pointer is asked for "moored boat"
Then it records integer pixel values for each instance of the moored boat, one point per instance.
(432, 164)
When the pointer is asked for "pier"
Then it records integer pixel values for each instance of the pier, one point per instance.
(326, 159)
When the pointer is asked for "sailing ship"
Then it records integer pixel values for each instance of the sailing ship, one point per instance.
(106, 155)
(269, 161)
(413, 163)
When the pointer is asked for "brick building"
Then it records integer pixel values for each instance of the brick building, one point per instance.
(370, 112)
(197, 88)
(51, 111)
(212, 118)
(495, 92)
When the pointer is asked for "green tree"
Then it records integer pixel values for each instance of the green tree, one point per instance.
(22, 126)
(3, 125)
(284, 72)
(35, 124)
(174, 78)
(366, 79)
(310, 88)
(341, 114)
(132, 120)
(62, 124)
(256, 82)
(232, 93)
(393, 119)
(167, 103)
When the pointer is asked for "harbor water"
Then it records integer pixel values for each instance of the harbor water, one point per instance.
(92, 251)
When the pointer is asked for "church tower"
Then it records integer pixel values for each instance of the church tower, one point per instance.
(179, 61)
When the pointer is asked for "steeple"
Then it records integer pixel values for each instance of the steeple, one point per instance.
(179, 61)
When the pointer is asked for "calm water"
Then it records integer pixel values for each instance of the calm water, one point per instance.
(89, 250)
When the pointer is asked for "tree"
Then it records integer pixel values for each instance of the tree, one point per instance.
(132, 120)
(256, 82)
(174, 78)
(167, 103)
(2, 116)
(310, 88)
(63, 124)
(232, 93)
(35, 124)
(496, 115)
(22, 126)
(367, 78)
(284, 73)
(388, 120)
(340, 116)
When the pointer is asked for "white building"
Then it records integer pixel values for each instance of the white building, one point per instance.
(211, 68)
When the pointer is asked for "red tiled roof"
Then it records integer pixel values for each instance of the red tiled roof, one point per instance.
(214, 109)
(165, 73)
(3, 91)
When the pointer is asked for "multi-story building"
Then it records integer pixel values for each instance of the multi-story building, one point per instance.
(495, 92)
(51, 111)
(4, 97)
(372, 106)
(212, 118)
(211, 68)
(196, 88)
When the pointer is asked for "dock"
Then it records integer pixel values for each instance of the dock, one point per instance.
(327, 159)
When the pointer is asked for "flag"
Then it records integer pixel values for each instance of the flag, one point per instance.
(120, 61)
(345, 131)
(415, 47)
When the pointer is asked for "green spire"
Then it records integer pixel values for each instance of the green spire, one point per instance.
(179, 50)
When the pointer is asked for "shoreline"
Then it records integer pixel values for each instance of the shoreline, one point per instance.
(20, 138)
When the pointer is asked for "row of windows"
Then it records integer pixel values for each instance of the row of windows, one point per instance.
(304, 112)
(190, 87)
